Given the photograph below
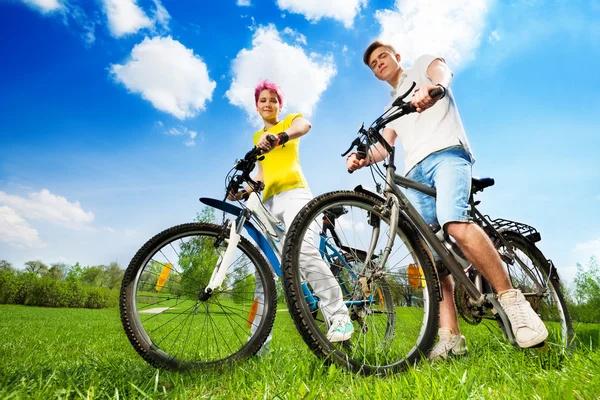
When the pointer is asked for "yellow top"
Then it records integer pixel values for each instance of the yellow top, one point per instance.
(281, 166)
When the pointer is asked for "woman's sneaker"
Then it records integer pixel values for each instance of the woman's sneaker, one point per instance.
(449, 345)
(340, 330)
(527, 327)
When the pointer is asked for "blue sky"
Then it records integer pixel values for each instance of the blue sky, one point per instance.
(117, 115)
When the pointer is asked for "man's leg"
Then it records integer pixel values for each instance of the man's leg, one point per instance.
(480, 251)
(453, 183)
(451, 342)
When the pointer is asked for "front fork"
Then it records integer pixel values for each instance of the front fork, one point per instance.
(392, 209)
(225, 256)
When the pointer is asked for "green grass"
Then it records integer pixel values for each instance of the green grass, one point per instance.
(50, 353)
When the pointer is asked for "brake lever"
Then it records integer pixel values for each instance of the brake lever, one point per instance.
(399, 102)
(355, 142)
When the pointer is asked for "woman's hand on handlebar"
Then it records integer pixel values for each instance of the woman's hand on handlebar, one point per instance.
(237, 196)
(267, 142)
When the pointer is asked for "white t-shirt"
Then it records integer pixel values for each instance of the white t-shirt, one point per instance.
(432, 130)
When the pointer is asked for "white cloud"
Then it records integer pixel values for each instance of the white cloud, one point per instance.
(344, 11)
(303, 77)
(182, 130)
(243, 3)
(126, 17)
(300, 38)
(451, 29)
(168, 75)
(46, 6)
(15, 231)
(72, 16)
(161, 15)
(494, 37)
(46, 206)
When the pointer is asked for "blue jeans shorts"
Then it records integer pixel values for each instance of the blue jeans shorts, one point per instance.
(449, 172)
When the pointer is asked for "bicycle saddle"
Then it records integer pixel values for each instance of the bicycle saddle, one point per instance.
(479, 184)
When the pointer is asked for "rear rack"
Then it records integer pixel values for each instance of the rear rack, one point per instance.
(529, 232)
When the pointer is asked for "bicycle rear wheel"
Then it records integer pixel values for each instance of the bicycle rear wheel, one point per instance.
(538, 280)
(165, 315)
(394, 307)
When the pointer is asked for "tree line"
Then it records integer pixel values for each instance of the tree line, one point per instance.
(60, 285)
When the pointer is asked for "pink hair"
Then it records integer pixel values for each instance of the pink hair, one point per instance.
(271, 87)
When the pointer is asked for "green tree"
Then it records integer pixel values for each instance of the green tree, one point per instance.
(207, 215)
(93, 275)
(587, 283)
(58, 271)
(113, 275)
(6, 266)
(36, 267)
(242, 284)
(197, 260)
(587, 293)
(75, 273)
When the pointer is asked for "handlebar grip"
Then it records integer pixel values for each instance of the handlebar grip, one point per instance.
(350, 171)
(437, 92)
(272, 138)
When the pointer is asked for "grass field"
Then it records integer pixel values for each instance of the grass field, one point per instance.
(50, 353)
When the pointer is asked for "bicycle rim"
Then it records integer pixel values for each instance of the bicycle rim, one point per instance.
(167, 319)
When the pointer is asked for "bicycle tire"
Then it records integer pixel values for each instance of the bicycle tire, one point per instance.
(535, 270)
(365, 353)
(163, 316)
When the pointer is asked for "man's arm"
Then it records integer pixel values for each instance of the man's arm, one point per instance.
(440, 75)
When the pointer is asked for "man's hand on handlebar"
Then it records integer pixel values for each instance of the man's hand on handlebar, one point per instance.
(353, 162)
(421, 97)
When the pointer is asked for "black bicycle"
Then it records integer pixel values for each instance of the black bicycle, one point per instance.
(390, 245)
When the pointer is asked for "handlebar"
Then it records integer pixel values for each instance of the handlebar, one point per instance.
(245, 166)
(372, 134)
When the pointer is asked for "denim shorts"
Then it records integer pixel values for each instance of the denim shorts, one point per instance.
(449, 172)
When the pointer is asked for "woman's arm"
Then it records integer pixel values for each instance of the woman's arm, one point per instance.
(298, 128)
(247, 190)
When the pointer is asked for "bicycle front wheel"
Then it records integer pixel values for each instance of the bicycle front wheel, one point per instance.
(538, 280)
(169, 319)
(393, 307)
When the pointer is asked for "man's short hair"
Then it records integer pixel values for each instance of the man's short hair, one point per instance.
(372, 47)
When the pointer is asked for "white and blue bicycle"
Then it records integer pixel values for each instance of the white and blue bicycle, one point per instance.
(199, 295)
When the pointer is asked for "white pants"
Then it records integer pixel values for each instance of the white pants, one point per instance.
(284, 206)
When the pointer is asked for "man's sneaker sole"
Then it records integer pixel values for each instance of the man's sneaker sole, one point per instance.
(537, 341)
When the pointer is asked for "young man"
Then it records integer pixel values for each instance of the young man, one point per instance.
(437, 154)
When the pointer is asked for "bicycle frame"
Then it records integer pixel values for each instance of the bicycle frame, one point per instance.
(271, 244)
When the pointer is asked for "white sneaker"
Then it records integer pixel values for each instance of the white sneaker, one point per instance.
(449, 345)
(527, 327)
(340, 330)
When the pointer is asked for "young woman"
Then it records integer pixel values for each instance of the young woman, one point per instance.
(286, 192)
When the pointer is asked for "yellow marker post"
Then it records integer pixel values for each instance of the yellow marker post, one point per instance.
(252, 314)
(164, 274)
